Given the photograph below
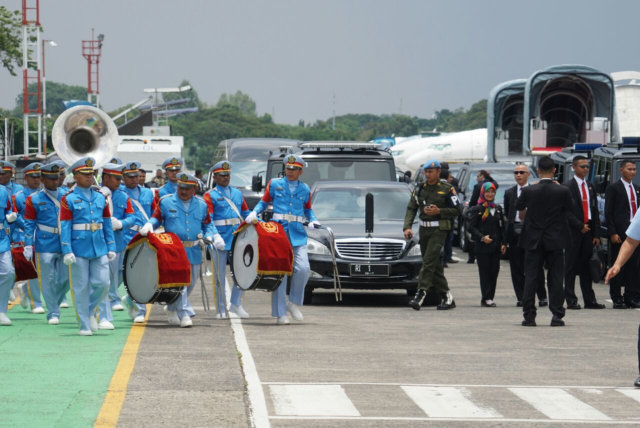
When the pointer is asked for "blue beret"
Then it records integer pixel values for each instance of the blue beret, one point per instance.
(431, 163)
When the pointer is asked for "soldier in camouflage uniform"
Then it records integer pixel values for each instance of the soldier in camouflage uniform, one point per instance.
(438, 205)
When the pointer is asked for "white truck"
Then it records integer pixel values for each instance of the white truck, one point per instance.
(151, 151)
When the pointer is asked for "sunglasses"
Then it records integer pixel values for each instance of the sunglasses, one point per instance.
(584, 166)
(519, 172)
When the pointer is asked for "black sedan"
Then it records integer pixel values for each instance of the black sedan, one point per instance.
(383, 259)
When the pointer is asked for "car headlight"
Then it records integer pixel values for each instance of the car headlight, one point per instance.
(415, 251)
(316, 247)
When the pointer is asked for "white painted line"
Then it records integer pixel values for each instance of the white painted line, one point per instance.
(451, 385)
(557, 403)
(448, 402)
(258, 415)
(476, 420)
(311, 400)
(634, 394)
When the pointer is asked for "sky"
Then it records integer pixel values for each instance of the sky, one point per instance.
(305, 60)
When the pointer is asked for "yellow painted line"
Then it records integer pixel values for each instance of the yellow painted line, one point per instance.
(112, 404)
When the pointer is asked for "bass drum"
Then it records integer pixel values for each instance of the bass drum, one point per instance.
(141, 276)
(244, 263)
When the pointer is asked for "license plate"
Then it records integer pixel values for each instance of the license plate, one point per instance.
(368, 270)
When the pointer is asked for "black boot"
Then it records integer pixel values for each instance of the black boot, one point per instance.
(447, 302)
(416, 302)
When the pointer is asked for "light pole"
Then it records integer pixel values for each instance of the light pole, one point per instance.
(44, 93)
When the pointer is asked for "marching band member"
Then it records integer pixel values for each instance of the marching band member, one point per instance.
(29, 288)
(6, 173)
(63, 190)
(41, 219)
(172, 167)
(188, 217)
(291, 199)
(121, 219)
(228, 208)
(143, 205)
(7, 272)
(88, 244)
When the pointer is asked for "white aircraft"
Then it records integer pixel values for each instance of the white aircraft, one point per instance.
(452, 147)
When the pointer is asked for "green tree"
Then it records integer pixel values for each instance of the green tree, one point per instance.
(56, 94)
(240, 100)
(192, 96)
(10, 39)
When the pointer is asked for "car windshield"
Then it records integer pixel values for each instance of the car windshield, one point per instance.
(504, 178)
(388, 204)
(241, 172)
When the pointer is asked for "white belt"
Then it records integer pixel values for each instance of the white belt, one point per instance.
(87, 226)
(226, 222)
(429, 223)
(189, 244)
(135, 227)
(289, 217)
(49, 229)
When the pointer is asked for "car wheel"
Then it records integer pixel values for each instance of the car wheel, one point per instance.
(308, 295)
(412, 291)
(464, 241)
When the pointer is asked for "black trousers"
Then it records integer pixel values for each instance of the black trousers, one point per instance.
(577, 263)
(488, 268)
(516, 265)
(534, 262)
(627, 278)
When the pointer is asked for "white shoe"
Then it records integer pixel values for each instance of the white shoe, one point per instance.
(64, 305)
(106, 325)
(186, 321)
(138, 319)
(38, 310)
(117, 307)
(53, 321)
(4, 319)
(224, 316)
(85, 333)
(173, 318)
(239, 311)
(93, 324)
(283, 320)
(22, 295)
(294, 310)
(130, 306)
(12, 295)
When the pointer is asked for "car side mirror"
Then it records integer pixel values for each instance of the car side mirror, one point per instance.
(256, 183)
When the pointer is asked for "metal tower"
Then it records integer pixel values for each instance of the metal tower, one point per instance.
(92, 50)
(32, 101)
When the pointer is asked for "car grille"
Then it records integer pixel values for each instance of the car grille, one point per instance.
(369, 249)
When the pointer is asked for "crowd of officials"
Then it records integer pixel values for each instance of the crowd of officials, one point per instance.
(544, 226)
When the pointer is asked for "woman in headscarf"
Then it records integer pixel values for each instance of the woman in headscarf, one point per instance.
(486, 222)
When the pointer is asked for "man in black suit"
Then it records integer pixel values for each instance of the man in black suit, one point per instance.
(513, 230)
(621, 204)
(584, 232)
(544, 237)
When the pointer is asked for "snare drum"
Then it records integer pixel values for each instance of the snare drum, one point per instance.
(141, 273)
(245, 253)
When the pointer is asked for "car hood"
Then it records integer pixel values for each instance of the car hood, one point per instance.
(391, 229)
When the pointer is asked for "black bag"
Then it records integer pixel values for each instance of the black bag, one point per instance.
(598, 263)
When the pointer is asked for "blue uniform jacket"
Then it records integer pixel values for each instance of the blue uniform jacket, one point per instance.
(284, 202)
(20, 201)
(5, 208)
(220, 210)
(145, 199)
(41, 210)
(187, 225)
(168, 189)
(75, 209)
(123, 211)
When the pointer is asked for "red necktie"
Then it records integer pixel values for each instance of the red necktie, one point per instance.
(585, 204)
(633, 200)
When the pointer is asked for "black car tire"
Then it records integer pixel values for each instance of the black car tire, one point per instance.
(412, 291)
(464, 239)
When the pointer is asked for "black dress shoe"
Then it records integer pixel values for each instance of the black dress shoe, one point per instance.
(447, 302)
(633, 305)
(637, 382)
(543, 303)
(519, 304)
(575, 306)
(557, 322)
(485, 304)
(471, 261)
(528, 323)
(416, 302)
(445, 265)
(619, 305)
(594, 305)
(452, 261)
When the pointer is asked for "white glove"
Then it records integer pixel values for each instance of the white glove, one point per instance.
(117, 224)
(111, 255)
(11, 217)
(144, 231)
(106, 192)
(28, 252)
(314, 225)
(252, 217)
(69, 259)
(219, 242)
